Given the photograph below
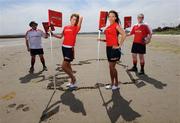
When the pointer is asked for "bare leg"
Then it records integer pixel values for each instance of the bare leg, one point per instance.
(113, 73)
(33, 59)
(42, 60)
(134, 57)
(66, 67)
(134, 68)
(70, 68)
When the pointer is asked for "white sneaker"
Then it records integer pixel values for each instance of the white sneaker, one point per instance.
(73, 86)
(114, 87)
(69, 84)
(108, 86)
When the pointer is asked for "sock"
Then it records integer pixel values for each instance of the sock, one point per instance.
(135, 63)
(142, 66)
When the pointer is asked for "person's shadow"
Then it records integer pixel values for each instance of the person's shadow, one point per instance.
(75, 105)
(50, 110)
(67, 98)
(121, 108)
(156, 83)
(27, 78)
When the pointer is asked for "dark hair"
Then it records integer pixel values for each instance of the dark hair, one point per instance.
(77, 16)
(117, 16)
(32, 23)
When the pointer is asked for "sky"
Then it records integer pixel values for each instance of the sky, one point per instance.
(15, 15)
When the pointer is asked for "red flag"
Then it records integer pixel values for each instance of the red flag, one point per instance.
(46, 26)
(127, 22)
(103, 19)
(55, 18)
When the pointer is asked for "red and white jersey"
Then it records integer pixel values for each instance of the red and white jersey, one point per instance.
(111, 35)
(70, 33)
(34, 38)
(140, 32)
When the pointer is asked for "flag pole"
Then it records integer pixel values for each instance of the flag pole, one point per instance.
(98, 55)
(52, 60)
(102, 23)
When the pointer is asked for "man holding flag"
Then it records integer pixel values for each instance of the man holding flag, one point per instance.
(142, 36)
(34, 44)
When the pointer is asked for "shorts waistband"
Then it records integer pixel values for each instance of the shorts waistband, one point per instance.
(67, 46)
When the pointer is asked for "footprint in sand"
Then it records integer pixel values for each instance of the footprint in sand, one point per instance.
(26, 109)
(20, 106)
(12, 105)
(84, 62)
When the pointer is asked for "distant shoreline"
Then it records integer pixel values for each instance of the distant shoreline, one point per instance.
(23, 35)
(91, 33)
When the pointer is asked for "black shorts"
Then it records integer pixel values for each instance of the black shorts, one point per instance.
(138, 48)
(34, 52)
(113, 55)
(68, 54)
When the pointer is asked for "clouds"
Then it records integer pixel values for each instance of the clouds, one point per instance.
(15, 15)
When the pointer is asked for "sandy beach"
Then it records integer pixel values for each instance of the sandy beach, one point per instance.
(30, 98)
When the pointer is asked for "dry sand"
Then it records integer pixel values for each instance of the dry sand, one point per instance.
(29, 98)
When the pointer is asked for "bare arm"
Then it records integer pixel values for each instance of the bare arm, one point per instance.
(27, 43)
(57, 36)
(149, 36)
(102, 40)
(131, 32)
(44, 35)
(123, 35)
(80, 22)
(128, 34)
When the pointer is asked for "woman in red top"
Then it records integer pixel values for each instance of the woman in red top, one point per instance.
(113, 45)
(69, 33)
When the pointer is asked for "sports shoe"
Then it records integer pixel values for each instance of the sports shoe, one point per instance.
(73, 86)
(67, 85)
(45, 68)
(141, 72)
(70, 85)
(31, 70)
(134, 69)
(114, 87)
(108, 86)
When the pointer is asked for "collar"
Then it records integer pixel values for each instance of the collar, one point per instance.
(139, 24)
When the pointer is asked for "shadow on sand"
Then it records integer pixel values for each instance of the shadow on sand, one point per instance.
(156, 83)
(120, 107)
(68, 99)
(142, 80)
(27, 78)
